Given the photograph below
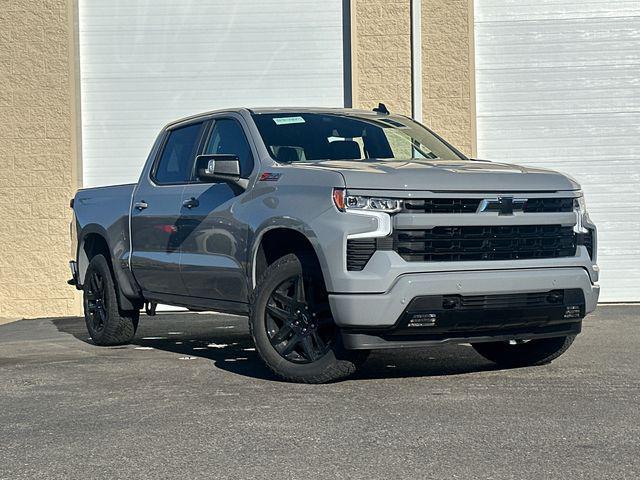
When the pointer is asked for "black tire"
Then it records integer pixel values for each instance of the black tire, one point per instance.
(328, 360)
(107, 325)
(524, 354)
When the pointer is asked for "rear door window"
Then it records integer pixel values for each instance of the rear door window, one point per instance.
(178, 155)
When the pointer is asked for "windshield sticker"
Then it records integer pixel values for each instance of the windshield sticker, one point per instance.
(288, 120)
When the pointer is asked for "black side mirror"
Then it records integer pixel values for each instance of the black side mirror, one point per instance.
(218, 168)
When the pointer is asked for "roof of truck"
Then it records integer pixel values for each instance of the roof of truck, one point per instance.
(261, 110)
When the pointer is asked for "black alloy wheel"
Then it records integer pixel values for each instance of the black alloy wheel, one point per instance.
(96, 301)
(298, 320)
(292, 325)
(106, 322)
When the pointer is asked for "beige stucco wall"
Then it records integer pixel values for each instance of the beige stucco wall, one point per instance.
(381, 45)
(382, 63)
(448, 72)
(37, 157)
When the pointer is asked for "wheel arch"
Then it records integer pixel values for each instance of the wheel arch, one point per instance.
(93, 241)
(276, 241)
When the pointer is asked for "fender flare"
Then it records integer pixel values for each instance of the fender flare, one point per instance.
(128, 294)
(287, 223)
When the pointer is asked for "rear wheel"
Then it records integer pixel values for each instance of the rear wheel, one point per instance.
(523, 353)
(106, 324)
(292, 326)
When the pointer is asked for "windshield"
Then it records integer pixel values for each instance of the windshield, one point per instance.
(306, 137)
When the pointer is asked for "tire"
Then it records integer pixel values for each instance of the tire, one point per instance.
(107, 325)
(531, 353)
(277, 321)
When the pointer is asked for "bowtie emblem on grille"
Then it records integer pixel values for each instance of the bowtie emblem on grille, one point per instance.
(502, 205)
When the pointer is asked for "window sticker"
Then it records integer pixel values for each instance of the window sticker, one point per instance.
(288, 120)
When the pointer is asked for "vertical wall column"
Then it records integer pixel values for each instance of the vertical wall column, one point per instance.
(416, 60)
(38, 169)
(417, 56)
(448, 71)
(381, 43)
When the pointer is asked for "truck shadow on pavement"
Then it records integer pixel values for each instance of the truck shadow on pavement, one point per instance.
(230, 348)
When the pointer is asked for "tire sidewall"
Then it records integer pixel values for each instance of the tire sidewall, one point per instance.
(277, 273)
(105, 336)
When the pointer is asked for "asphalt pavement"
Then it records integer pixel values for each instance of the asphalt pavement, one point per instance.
(190, 399)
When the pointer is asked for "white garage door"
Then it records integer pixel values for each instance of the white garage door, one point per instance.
(558, 86)
(144, 63)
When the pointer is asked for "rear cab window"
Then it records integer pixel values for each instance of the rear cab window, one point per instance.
(178, 154)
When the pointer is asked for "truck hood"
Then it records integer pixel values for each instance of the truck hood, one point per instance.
(445, 175)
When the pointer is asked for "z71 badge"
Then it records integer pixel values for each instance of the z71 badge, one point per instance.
(270, 177)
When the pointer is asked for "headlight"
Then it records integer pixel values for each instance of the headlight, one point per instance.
(580, 208)
(344, 202)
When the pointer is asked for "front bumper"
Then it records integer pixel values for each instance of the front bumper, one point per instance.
(384, 315)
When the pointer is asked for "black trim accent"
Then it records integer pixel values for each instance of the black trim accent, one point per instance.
(360, 251)
(586, 239)
(441, 205)
(548, 205)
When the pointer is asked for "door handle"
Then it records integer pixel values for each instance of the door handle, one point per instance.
(191, 203)
(141, 205)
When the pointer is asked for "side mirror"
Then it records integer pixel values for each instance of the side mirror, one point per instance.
(218, 168)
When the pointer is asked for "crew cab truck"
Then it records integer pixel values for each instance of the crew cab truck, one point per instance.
(337, 232)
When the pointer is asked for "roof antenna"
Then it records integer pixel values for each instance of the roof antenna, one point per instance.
(381, 108)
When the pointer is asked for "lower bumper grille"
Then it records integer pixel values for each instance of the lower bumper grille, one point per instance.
(447, 313)
(467, 243)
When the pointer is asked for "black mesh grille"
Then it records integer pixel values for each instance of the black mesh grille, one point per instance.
(359, 251)
(442, 205)
(515, 300)
(467, 243)
(470, 205)
(492, 301)
(548, 205)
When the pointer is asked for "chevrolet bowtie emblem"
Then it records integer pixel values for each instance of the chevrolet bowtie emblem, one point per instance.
(502, 205)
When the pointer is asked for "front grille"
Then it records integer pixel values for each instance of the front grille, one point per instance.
(468, 243)
(359, 251)
(470, 205)
(442, 205)
(548, 205)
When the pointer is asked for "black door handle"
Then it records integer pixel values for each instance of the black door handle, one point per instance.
(191, 202)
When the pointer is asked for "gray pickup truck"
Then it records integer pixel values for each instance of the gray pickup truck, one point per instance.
(338, 232)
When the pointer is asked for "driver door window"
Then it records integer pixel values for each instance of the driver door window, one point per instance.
(228, 137)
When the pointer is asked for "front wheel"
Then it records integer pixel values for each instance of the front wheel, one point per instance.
(292, 327)
(524, 353)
